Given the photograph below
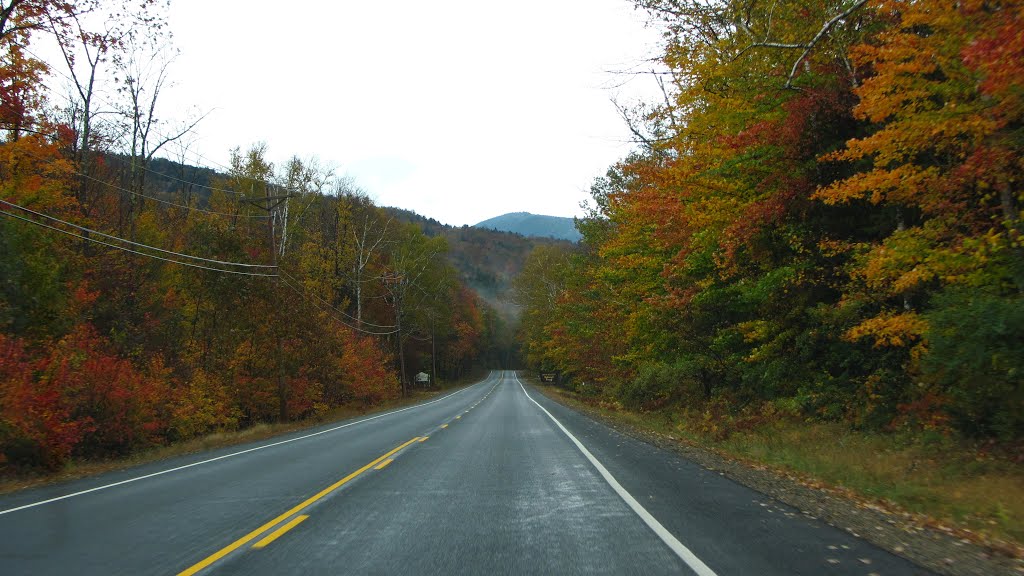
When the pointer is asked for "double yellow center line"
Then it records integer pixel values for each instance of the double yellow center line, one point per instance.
(295, 521)
(379, 464)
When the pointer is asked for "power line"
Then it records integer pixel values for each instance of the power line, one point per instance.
(327, 308)
(349, 316)
(182, 206)
(97, 96)
(208, 161)
(31, 221)
(418, 339)
(126, 241)
(189, 182)
(167, 176)
(159, 133)
(160, 174)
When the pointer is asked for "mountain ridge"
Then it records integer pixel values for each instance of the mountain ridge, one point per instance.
(533, 225)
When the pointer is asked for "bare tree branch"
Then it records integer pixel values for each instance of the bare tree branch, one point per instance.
(821, 34)
(806, 47)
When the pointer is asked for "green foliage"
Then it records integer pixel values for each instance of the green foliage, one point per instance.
(31, 291)
(656, 386)
(105, 353)
(976, 356)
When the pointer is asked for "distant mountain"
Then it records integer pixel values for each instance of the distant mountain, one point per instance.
(536, 225)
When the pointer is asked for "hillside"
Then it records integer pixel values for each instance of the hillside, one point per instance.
(534, 225)
(487, 259)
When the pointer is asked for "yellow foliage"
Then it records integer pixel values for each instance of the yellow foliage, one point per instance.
(755, 330)
(890, 329)
(34, 173)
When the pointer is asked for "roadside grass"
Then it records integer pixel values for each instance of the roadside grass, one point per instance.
(944, 482)
(14, 480)
(949, 480)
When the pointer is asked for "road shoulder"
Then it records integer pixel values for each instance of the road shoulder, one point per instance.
(938, 550)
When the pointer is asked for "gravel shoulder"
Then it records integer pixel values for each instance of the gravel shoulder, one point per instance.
(930, 545)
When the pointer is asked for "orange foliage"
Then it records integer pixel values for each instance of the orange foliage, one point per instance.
(890, 329)
(34, 173)
(364, 368)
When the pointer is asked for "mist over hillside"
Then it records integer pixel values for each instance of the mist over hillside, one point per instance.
(487, 259)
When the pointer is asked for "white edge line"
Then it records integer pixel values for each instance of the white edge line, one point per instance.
(233, 454)
(684, 553)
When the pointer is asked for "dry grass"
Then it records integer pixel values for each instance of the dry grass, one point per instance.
(951, 481)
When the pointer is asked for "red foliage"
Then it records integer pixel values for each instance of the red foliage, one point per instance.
(929, 411)
(125, 404)
(36, 422)
(74, 397)
(1000, 54)
(256, 398)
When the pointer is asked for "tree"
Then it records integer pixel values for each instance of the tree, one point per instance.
(414, 263)
(369, 232)
(145, 73)
(85, 52)
(537, 290)
(165, 328)
(21, 98)
(823, 194)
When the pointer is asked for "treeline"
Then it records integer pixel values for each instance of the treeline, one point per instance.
(132, 314)
(824, 221)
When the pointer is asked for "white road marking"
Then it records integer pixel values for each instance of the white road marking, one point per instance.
(671, 541)
(233, 454)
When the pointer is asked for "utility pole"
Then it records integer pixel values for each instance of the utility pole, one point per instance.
(271, 204)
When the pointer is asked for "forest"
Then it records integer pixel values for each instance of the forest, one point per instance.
(141, 306)
(822, 222)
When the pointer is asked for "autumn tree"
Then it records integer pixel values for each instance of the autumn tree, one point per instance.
(411, 277)
(537, 290)
(819, 194)
(940, 156)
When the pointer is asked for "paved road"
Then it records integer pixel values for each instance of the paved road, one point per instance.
(494, 478)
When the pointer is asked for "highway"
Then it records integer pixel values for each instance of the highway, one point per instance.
(492, 479)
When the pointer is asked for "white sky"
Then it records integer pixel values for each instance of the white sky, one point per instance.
(458, 109)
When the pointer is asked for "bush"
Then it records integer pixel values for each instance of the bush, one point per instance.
(976, 358)
(658, 385)
(367, 378)
(37, 426)
(199, 406)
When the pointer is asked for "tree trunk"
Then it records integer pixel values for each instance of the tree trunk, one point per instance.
(401, 354)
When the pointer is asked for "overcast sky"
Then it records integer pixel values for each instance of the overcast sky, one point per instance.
(458, 109)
